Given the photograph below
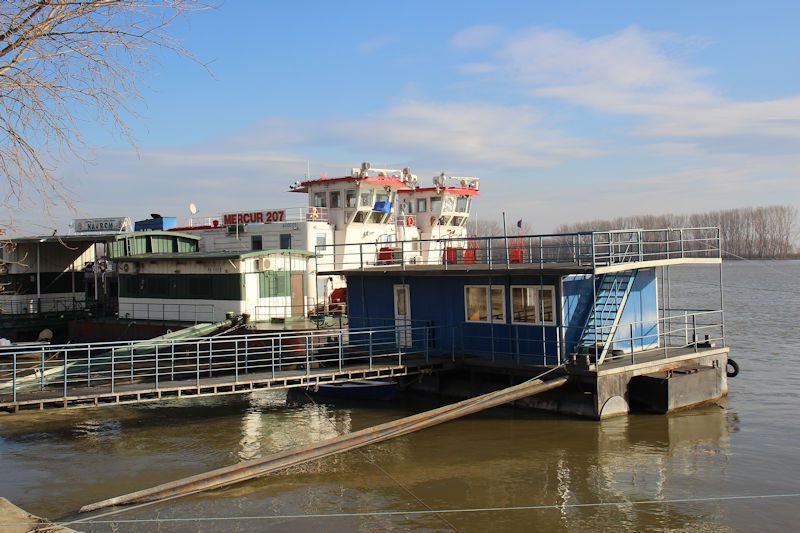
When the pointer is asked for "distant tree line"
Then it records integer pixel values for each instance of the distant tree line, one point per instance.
(750, 232)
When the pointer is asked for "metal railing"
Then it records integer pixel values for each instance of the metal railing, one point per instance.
(31, 305)
(166, 312)
(513, 343)
(674, 329)
(70, 369)
(582, 249)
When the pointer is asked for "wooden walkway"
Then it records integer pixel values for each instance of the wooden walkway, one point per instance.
(141, 392)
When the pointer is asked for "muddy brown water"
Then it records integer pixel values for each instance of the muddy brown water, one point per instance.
(560, 474)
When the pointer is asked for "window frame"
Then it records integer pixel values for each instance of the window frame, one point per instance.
(488, 302)
(334, 197)
(424, 203)
(538, 309)
(351, 194)
(320, 199)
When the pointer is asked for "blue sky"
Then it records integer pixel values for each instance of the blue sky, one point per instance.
(565, 110)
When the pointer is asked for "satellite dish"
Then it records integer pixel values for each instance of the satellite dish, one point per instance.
(192, 208)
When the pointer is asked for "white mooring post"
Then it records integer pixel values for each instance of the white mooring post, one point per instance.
(197, 365)
(236, 361)
(41, 375)
(65, 373)
(113, 360)
(14, 379)
(370, 349)
(89, 367)
(341, 351)
(156, 366)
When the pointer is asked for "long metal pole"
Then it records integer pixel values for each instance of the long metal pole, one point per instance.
(281, 460)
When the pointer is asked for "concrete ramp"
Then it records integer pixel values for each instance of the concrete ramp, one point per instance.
(272, 463)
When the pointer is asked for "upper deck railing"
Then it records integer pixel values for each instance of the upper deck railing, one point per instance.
(592, 249)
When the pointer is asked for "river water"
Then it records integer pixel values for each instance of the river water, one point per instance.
(727, 467)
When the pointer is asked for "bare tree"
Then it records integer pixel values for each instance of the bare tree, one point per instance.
(769, 232)
(63, 62)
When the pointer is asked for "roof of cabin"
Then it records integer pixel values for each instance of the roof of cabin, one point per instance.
(466, 191)
(372, 180)
(153, 233)
(464, 270)
(202, 256)
(96, 237)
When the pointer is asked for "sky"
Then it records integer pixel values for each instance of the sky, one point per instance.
(567, 111)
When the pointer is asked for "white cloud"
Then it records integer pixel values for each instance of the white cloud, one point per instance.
(475, 37)
(633, 72)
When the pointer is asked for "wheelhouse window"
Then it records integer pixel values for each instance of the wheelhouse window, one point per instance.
(335, 204)
(407, 208)
(483, 303)
(350, 198)
(366, 199)
(462, 205)
(381, 197)
(319, 199)
(256, 242)
(422, 205)
(436, 204)
(532, 304)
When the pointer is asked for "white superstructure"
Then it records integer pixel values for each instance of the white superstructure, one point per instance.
(368, 211)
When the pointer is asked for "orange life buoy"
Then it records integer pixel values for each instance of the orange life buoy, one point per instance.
(433, 220)
(409, 221)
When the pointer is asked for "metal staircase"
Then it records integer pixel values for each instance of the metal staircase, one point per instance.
(610, 298)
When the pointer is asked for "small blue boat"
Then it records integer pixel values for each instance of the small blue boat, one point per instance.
(358, 389)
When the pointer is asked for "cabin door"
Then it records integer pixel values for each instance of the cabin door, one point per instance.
(298, 295)
(402, 315)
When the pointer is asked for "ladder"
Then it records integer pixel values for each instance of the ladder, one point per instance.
(612, 293)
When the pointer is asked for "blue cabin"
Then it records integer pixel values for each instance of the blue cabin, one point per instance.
(539, 299)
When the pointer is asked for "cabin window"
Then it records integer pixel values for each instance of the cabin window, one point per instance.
(200, 287)
(436, 204)
(479, 300)
(462, 206)
(443, 221)
(335, 200)
(321, 242)
(532, 304)
(449, 204)
(350, 198)
(361, 216)
(422, 205)
(457, 221)
(376, 217)
(256, 242)
(272, 284)
(381, 197)
(366, 199)
(285, 241)
(319, 199)
(407, 208)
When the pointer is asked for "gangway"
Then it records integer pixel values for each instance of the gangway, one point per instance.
(97, 374)
(272, 463)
